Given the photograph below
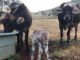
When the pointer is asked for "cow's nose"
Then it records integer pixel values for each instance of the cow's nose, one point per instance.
(67, 17)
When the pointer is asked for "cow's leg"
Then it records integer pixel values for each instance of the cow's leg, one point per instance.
(19, 42)
(21, 39)
(68, 34)
(26, 42)
(40, 51)
(75, 38)
(32, 52)
(61, 34)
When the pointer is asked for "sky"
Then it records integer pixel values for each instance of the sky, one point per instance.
(39, 5)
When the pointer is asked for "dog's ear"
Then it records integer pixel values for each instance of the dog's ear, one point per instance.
(46, 35)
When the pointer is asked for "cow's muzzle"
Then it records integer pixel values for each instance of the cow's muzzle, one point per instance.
(67, 17)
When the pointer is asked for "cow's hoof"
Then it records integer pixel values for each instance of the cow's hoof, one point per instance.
(60, 42)
(17, 50)
(75, 42)
(68, 42)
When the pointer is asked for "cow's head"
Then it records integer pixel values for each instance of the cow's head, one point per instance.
(68, 10)
(13, 6)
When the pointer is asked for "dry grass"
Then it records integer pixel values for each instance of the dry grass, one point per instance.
(57, 52)
(50, 25)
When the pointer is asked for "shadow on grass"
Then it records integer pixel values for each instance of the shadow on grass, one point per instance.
(55, 48)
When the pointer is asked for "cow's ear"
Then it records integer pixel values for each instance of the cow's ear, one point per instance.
(76, 11)
(20, 20)
(59, 10)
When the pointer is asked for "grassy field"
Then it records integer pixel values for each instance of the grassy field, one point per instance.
(52, 26)
(57, 52)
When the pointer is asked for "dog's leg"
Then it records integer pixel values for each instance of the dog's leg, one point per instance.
(46, 51)
(40, 51)
(32, 52)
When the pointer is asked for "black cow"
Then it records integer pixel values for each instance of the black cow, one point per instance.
(21, 20)
(23, 23)
(68, 18)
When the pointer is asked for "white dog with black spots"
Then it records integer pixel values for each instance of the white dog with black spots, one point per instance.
(40, 39)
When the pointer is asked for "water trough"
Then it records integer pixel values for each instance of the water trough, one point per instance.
(7, 44)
